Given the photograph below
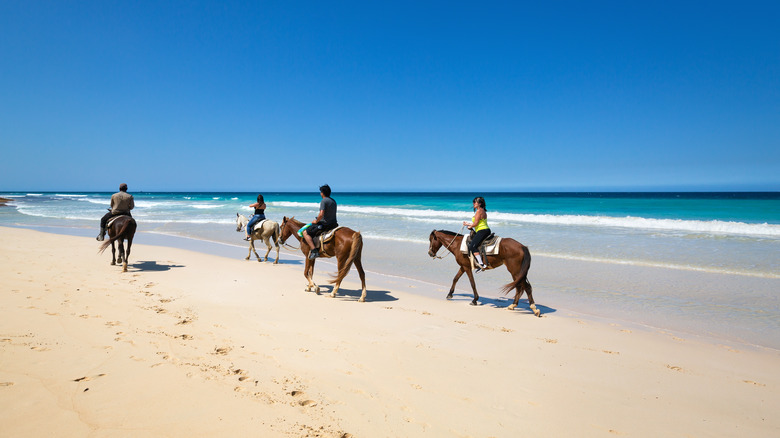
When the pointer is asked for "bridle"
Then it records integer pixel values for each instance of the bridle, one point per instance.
(448, 245)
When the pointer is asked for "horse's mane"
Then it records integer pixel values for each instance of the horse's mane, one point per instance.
(295, 221)
(449, 233)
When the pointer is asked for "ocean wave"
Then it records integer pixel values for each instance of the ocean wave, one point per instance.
(630, 222)
(70, 195)
(206, 206)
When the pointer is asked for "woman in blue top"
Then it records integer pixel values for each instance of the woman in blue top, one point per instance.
(259, 215)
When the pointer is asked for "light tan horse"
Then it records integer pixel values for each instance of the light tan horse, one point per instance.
(346, 245)
(268, 232)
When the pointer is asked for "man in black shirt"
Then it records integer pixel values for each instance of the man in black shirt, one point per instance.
(325, 221)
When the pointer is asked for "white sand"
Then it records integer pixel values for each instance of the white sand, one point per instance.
(187, 344)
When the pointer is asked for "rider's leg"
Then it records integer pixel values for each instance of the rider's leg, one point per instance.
(310, 241)
(251, 224)
(103, 223)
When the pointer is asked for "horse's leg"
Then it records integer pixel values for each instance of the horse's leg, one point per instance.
(121, 258)
(268, 244)
(362, 274)
(473, 286)
(113, 254)
(277, 252)
(341, 258)
(308, 272)
(127, 254)
(455, 281)
(252, 245)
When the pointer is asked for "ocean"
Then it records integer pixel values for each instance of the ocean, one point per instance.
(728, 240)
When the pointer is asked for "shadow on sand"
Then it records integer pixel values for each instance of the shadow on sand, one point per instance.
(502, 303)
(354, 294)
(152, 266)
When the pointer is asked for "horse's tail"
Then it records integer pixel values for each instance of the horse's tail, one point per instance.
(277, 234)
(119, 235)
(354, 252)
(522, 280)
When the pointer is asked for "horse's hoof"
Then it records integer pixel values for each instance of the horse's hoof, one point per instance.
(317, 291)
(535, 310)
(474, 303)
(113, 263)
(362, 300)
(449, 297)
(333, 295)
(511, 307)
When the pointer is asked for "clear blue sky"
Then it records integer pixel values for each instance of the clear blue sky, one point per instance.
(287, 95)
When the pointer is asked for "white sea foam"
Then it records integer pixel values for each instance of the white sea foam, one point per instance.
(206, 206)
(70, 195)
(690, 226)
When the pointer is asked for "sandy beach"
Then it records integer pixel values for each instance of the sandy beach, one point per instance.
(190, 344)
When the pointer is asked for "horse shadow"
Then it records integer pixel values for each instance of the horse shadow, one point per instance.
(153, 266)
(354, 294)
(503, 303)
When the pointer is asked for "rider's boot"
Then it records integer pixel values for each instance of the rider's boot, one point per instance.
(314, 253)
(102, 236)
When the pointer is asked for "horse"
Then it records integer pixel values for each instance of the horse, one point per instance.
(511, 253)
(269, 230)
(121, 228)
(346, 245)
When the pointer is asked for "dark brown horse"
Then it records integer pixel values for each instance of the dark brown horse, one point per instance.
(511, 253)
(346, 245)
(120, 229)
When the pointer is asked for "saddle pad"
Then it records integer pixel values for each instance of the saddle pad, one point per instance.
(111, 221)
(491, 249)
(259, 225)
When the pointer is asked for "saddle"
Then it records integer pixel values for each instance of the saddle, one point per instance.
(322, 239)
(488, 247)
(114, 218)
(257, 226)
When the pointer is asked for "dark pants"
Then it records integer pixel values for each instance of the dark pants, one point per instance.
(250, 227)
(477, 240)
(319, 228)
(106, 217)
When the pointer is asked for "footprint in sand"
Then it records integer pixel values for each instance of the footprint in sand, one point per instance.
(88, 378)
(222, 350)
(6, 383)
(750, 382)
(675, 368)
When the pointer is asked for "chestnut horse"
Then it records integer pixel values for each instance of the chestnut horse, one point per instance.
(511, 253)
(123, 227)
(346, 245)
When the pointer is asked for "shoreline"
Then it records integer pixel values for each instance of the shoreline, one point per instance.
(488, 286)
(169, 348)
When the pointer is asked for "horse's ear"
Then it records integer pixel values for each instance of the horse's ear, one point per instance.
(237, 215)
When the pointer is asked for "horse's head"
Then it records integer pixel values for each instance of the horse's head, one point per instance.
(434, 244)
(286, 230)
(241, 221)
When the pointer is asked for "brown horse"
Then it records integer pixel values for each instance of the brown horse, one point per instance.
(511, 253)
(120, 229)
(346, 245)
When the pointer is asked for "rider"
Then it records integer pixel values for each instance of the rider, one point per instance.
(325, 221)
(121, 204)
(259, 207)
(479, 228)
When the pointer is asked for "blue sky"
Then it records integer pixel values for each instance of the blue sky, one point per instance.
(278, 95)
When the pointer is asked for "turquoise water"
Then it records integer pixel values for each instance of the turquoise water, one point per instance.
(697, 237)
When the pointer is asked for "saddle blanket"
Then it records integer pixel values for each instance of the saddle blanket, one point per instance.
(111, 221)
(491, 248)
(259, 225)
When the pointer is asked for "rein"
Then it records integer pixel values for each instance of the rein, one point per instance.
(448, 245)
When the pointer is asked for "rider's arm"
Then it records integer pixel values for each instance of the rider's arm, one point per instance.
(319, 217)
